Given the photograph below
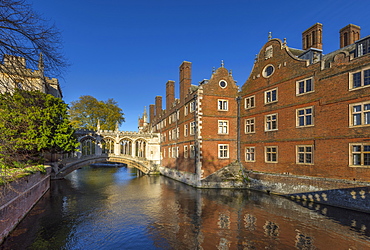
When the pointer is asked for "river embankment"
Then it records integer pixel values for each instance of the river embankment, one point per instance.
(18, 197)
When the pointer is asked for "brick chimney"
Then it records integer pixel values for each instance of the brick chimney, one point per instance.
(312, 37)
(151, 113)
(170, 94)
(158, 106)
(349, 35)
(185, 79)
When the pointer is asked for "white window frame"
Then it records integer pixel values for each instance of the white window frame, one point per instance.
(192, 151)
(305, 115)
(223, 127)
(192, 128)
(186, 131)
(192, 106)
(269, 122)
(269, 94)
(362, 116)
(250, 126)
(186, 110)
(305, 83)
(173, 152)
(250, 102)
(302, 150)
(186, 151)
(223, 151)
(362, 79)
(271, 150)
(250, 154)
(361, 152)
(222, 105)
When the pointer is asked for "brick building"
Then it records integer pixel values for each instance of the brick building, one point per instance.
(300, 112)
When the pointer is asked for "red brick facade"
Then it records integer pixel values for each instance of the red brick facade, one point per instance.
(301, 113)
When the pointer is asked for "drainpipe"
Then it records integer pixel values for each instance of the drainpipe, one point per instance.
(238, 129)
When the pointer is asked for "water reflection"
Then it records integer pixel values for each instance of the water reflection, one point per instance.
(110, 208)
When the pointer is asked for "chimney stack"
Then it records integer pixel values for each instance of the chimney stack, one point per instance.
(185, 79)
(151, 113)
(349, 35)
(158, 106)
(170, 94)
(312, 37)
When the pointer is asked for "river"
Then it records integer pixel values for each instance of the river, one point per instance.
(113, 208)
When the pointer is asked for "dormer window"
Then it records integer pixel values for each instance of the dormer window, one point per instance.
(363, 46)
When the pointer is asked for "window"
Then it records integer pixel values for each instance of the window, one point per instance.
(223, 105)
(223, 151)
(305, 117)
(223, 84)
(249, 154)
(177, 152)
(304, 86)
(271, 122)
(359, 79)
(360, 154)
(268, 71)
(178, 115)
(249, 102)
(304, 154)
(192, 151)
(177, 133)
(186, 152)
(169, 152)
(186, 110)
(271, 154)
(192, 128)
(360, 114)
(223, 127)
(192, 106)
(186, 130)
(249, 125)
(363, 47)
(270, 96)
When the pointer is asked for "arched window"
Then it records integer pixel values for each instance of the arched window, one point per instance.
(107, 146)
(126, 147)
(88, 146)
(140, 148)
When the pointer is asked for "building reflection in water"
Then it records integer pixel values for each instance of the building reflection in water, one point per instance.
(240, 219)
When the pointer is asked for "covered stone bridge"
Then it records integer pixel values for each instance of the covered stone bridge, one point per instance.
(136, 149)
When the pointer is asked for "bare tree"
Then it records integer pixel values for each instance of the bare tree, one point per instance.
(26, 37)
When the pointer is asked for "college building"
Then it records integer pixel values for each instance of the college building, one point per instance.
(14, 74)
(301, 112)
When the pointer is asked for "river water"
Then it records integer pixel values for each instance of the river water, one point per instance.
(113, 208)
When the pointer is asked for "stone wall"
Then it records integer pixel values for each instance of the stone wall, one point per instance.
(17, 199)
(353, 195)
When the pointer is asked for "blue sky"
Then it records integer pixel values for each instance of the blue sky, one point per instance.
(128, 50)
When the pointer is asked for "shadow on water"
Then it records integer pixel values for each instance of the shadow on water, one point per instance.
(112, 208)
